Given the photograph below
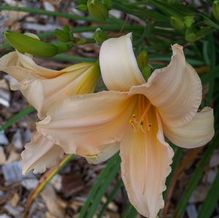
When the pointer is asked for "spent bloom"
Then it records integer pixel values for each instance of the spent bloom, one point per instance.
(44, 88)
(134, 116)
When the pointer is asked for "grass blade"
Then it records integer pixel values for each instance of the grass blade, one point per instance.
(130, 212)
(117, 187)
(99, 188)
(20, 115)
(196, 177)
(211, 200)
(45, 179)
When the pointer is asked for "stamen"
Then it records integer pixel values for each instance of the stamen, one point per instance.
(142, 126)
(145, 111)
(149, 127)
(141, 121)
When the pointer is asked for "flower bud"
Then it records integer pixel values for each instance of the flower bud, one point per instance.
(190, 35)
(82, 7)
(99, 36)
(97, 9)
(188, 21)
(177, 23)
(146, 72)
(142, 60)
(215, 9)
(64, 35)
(30, 45)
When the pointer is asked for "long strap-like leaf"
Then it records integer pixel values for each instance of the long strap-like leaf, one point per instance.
(99, 188)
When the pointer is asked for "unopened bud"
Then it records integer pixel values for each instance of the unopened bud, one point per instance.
(177, 23)
(215, 9)
(190, 35)
(146, 72)
(30, 45)
(97, 9)
(99, 36)
(142, 60)
(82, 7)
(188, 21)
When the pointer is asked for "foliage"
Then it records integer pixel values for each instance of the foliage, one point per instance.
(156, 26)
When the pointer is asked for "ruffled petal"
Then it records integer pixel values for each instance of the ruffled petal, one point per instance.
(196, 133)
(175, 90)
(85, 123)
(40, 154)
(146, 160)
(106, 152)
(118, 65)
(7, 60)
(26, 61)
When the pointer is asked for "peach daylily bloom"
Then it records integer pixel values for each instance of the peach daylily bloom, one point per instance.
(133, 116)
(44, 88)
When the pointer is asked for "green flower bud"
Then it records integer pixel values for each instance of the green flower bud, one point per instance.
(142, 59)
(82, 7)
(65, 34)
(215, 9)
(177, 23)
(30, 45)
(62, 46)
(146, 72)
(188, 21)
(190, 35)
(99, 36)
(97, 9)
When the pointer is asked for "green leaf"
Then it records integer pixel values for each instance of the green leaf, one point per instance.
(99, 188)
(130, 212)
(209, 52)
(113, 193)
(196, 177)
(211, 200)
(215, 9)
(16, 118)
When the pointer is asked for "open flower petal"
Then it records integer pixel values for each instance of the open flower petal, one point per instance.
(65, 85)
(146, 160)
(118, 65)
(175, 90)
(82, 124)
(8, 59)
(41, 86)
(196, 133)
(106, 152)
(40, 154)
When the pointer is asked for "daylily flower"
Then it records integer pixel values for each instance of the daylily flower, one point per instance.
(44, 88)
(134, 116)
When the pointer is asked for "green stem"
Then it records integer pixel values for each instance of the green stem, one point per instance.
(72, 59)
(45, 179)
(116, 188)
(16, 118)
(45, 12)
(108, 28)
